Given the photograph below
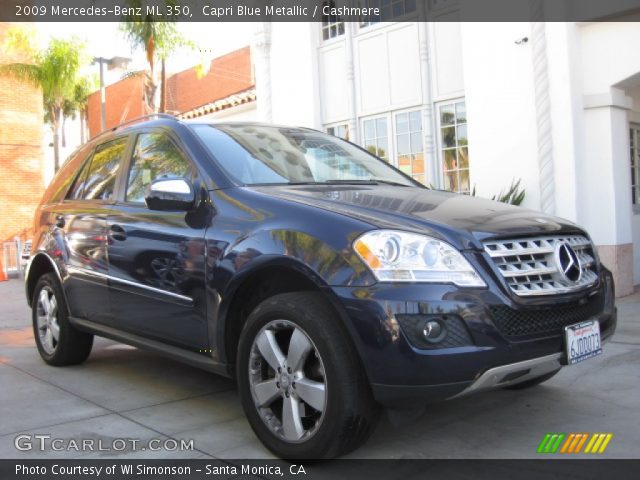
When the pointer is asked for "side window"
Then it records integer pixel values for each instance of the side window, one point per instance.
(75, 192)
(98, 177)
(155, 156)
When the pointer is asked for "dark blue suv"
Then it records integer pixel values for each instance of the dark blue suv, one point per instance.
(327, 282)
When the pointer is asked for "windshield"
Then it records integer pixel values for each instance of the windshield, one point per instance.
(258, 154)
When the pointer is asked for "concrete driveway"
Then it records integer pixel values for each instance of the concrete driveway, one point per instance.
(125, 393)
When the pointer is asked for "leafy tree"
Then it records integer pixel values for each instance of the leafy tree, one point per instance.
(55, 70)
(158, 38)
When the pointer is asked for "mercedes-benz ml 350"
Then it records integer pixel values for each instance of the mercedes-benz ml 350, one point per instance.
(324, 280)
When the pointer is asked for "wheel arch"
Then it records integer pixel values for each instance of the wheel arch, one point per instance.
(40, 264)
(271, 277)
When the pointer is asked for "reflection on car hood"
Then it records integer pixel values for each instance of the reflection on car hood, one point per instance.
(460, 218)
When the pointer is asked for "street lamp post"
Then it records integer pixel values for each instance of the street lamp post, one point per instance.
(111, 63)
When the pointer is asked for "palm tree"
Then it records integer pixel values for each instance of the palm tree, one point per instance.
(56, 71)
(79, 103)
(158, 38)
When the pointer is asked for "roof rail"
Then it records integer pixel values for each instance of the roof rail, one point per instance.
(143, 117)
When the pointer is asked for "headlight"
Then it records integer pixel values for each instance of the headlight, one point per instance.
(396, 256)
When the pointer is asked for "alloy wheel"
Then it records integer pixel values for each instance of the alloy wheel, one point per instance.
(47, 320)
(287, 380)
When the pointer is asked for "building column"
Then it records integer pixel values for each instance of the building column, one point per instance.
(604, 181)
(352, 122)
(428, 111)
(261, 49)
(544, 129)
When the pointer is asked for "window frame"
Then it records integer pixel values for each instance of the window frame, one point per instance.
(86, 163)
(440, 170)
(396, 163)
(392, 152)
(388, 117)
(634, 164)
(405, 17)
(323, 27)
(337, 125)
(124, 174)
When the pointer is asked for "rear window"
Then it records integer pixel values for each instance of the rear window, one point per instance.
(59, 186)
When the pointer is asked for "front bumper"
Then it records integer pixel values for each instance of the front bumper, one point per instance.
(403, 374)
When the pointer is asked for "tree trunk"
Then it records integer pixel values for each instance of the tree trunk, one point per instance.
(150, 88)
(56, 117)
(62, 131)
(163, 87)
(81, 116)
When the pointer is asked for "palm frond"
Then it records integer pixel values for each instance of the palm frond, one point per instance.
(513, 196)
(24, 72)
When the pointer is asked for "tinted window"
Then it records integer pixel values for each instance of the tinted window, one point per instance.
(76, 191)
(98, 178)
(59, 187)
(155, 156)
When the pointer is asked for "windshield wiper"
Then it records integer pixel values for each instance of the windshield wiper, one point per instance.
(388, 182)
(353, 181)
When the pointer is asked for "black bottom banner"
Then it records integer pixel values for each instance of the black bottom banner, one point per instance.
(200, 469)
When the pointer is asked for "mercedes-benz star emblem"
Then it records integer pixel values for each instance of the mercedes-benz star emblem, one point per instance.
(568, 263)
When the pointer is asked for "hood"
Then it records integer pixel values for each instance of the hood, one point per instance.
(461, 219)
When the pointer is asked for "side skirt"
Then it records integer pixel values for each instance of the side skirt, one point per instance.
(176, 353)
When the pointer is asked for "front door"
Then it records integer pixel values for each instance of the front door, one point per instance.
(156, 258)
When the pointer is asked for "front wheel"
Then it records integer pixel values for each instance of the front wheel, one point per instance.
(301, 384)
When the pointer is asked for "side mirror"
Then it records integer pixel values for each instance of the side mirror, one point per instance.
(170, 194)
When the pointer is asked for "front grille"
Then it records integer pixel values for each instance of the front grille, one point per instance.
(539, 322)
(530, 267)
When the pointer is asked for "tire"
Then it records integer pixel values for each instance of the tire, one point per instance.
(49, 315)
(533, 382)
(336, 413)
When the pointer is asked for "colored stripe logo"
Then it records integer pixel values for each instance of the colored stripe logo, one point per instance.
(574, 443)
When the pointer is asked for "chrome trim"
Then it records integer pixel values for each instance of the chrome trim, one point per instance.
(56, 269)
(530, 265)
(48, 257)
(492, 377)
(184, 298)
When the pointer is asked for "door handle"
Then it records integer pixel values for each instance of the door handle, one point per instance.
(60, 223)
(116, 232)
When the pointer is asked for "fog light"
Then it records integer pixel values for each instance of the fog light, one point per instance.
(433, 331)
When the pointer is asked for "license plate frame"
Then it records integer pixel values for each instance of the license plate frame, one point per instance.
(582, 341)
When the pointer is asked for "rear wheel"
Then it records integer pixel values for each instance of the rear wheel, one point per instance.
(301, 383)
(58, 342)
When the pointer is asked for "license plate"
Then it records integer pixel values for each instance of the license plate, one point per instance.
(582, 341)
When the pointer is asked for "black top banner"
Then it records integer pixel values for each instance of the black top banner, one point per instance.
(330, 11)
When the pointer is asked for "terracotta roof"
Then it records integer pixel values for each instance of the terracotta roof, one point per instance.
(234, 100)
(229, 76)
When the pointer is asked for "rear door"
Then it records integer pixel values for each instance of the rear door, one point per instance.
(156, 258)
(81, 222)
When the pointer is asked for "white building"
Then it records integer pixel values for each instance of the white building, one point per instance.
(477, 105)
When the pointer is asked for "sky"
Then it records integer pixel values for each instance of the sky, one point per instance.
(105, 40)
